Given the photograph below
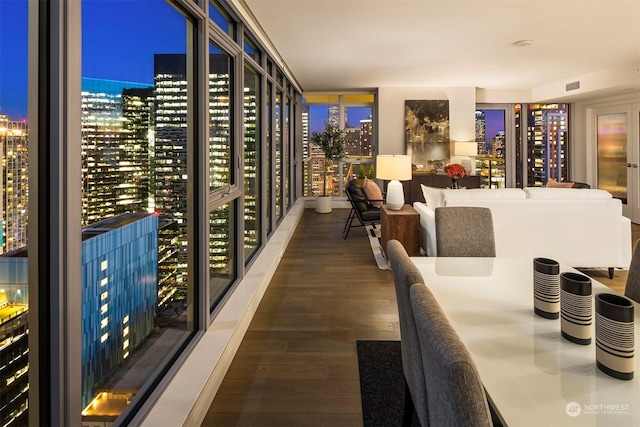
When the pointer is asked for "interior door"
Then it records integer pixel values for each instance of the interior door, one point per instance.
(618, 152)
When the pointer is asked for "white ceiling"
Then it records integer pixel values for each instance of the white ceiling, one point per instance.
(353, 44)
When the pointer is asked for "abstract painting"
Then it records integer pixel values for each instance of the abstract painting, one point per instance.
(427, 134)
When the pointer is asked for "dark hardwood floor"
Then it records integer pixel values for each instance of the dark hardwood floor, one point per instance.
(297, 364)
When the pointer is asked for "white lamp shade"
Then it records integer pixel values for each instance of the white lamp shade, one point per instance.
(393, 167)
(469, 148)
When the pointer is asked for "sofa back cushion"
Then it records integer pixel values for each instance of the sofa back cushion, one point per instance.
(566, 194)
(485, 194)
(432, 196)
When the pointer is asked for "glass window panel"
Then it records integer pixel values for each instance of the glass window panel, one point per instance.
(221, 18)
(612, 154)
(14, 215)
(491, 153)
(286, 151)
(359, 128)
(221, 250)
(317, 116)
(547, 138)
(252, 169)
(251, 49)
(134, 201)
(220, 119)
(279, 155)
(267, 157)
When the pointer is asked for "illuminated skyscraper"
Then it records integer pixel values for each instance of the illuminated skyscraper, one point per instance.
(112, 157)
(136, 185)
(170, 159)
(14, 337)
(547, 136)
(366, 137)
(14, 214)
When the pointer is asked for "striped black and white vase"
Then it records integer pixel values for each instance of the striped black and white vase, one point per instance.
(546, 288)
(615, 346)
(576, 308)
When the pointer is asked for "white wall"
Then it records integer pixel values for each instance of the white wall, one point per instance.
(462, 105)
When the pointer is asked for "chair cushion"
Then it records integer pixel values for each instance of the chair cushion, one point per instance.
(373, 193)
(371, 214)
(356, 192)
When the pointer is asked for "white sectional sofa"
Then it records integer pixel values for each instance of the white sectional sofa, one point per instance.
(579, 227)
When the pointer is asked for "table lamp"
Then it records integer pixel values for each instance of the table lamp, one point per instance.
(395, 168)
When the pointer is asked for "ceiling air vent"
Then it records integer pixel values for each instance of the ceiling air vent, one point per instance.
(573, 86)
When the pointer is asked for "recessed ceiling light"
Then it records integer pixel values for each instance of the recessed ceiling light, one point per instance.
(523, 43)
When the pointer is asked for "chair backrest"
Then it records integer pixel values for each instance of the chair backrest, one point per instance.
(464, 231)
(406, 274)
(632, 287)
(459, 398)
(356, 195)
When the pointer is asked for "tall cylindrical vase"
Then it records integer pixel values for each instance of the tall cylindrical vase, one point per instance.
(615, 346)
(546, 288)
(454, 183)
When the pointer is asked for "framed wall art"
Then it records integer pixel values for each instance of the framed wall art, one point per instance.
(427, 134)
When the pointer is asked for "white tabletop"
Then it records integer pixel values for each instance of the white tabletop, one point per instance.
(534, 376)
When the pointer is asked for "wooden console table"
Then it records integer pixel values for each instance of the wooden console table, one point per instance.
(402, 225)
(413, 192)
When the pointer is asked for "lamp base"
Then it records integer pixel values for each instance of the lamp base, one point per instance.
(395, 195)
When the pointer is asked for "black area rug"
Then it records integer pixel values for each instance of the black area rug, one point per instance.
(381, 383)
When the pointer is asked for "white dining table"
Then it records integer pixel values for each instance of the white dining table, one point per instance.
(533, 376)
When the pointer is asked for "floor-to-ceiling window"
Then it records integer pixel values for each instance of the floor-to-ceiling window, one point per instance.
(166, 122)
(353, 112)
(492, 153)
(14, 214)
(137, 89)
(542, 138)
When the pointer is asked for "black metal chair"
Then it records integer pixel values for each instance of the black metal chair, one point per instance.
(361, 208)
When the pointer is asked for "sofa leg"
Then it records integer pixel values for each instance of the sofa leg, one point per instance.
(611, 272)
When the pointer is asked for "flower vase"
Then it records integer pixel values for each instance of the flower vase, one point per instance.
(454, 183)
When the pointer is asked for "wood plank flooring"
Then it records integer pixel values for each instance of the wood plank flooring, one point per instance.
(297, 364)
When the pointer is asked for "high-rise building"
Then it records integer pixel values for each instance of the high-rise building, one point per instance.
(119, 299)
(14, 212)
(366, 137)
(113, 180)
(136, 184)
(170, 159)
(14, 331)
(547, 137)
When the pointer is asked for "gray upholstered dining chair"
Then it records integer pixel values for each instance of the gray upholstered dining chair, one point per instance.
(464, 231)
(460, 399)
(405, 274)
(632, 287)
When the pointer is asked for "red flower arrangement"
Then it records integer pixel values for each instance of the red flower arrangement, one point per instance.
(455, 170)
